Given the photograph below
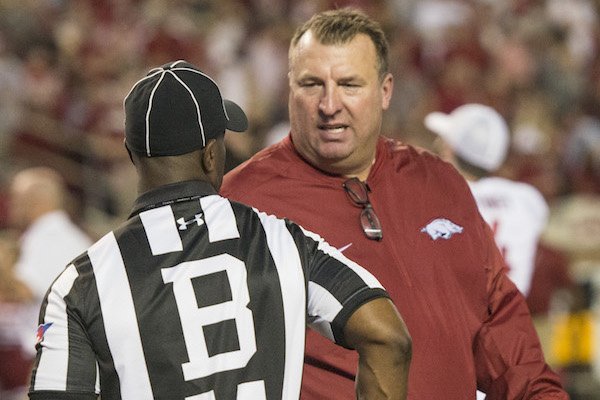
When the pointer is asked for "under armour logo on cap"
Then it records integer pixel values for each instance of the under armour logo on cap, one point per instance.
(176, 109)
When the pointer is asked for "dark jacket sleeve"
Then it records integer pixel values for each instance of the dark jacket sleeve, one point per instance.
(509, 357)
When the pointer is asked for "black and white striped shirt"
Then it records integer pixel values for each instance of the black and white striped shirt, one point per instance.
(197, 298)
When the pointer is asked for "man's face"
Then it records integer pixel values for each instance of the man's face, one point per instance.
(336, 103)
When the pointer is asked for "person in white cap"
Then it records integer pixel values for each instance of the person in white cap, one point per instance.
(475, 139)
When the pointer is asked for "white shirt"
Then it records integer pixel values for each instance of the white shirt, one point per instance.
(517, 213)
(47, 246)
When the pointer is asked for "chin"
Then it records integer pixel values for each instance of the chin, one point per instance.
(335, 151)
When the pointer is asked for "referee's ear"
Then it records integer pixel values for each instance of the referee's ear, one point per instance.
(208, 161)
(213, 161)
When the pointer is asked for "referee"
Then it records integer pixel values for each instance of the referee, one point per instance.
(195, 297)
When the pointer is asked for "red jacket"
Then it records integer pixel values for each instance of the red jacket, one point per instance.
(469, 324)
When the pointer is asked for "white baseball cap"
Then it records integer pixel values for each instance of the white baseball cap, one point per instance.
(478, 134)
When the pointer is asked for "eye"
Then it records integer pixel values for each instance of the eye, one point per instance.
(309, 83)
(349, 84)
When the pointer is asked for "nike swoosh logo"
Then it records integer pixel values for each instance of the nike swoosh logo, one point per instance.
(341, 249)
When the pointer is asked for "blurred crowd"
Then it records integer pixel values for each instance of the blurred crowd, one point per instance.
(65, 67)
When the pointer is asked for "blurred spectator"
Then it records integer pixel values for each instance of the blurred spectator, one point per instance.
(43, 86)
(11, 107)
(15, 329)
(574, 227)
(551, 274)
(582, 155)
(49, 238)
(475, 139)
(574, 341)
(551, 283)
(37, 210)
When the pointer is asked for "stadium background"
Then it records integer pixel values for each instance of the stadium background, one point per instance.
(65, 67)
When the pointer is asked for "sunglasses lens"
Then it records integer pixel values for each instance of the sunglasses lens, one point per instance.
(370, 224)
(357, 191)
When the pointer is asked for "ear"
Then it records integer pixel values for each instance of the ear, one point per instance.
(387, 87)
(209, 156)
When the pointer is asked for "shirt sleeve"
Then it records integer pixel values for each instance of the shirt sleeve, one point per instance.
(337, 286)
(508, 354)
(65, 366)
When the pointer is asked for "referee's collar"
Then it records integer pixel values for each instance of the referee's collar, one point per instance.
(172, 193)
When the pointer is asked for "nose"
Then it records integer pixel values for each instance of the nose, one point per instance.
(330, 102)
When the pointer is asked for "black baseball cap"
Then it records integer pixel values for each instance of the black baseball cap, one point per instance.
(176, 109)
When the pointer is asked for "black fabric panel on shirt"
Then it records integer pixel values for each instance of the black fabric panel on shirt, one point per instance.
(84, 303)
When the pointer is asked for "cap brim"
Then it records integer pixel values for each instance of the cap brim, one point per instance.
(439, 123)
(236, 118)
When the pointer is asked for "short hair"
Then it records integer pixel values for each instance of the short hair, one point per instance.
(341, 26)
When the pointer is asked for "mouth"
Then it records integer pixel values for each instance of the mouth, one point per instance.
(332, 128)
